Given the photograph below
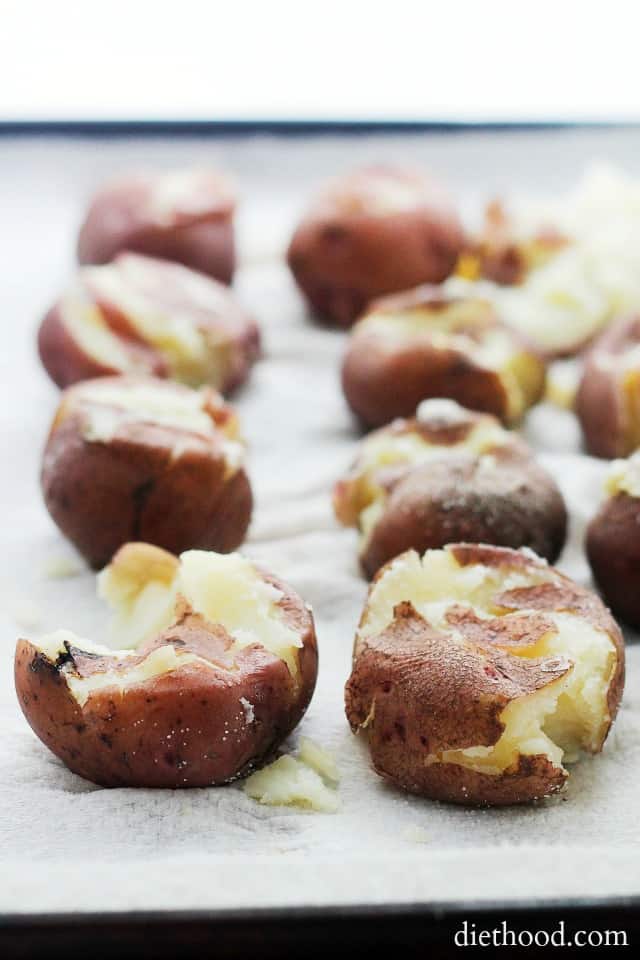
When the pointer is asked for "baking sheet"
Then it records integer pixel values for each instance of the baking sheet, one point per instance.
(66, 844)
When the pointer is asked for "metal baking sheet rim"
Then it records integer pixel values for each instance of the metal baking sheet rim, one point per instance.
(415, 926)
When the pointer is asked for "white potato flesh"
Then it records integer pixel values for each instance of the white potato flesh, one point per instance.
(107, 406)
(624, 477)
(145, 585)
(181, 409)
(290, 782)
(319, 759)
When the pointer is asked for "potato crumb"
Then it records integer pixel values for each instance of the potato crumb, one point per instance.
(289, 782)
(249, 713)
(319, 760)
(563, 378)
(24, 614)
(415, 834)
(62, 568)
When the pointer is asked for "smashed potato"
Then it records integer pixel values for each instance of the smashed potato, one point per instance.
(608, 398)
(480, 671)
(421, 344)
(373, 232)
(448, 474)
(131, 458)
(181, 215)
(138, 315)
(613, 541)
(221, 666)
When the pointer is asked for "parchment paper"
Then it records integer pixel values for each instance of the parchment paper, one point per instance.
(68, 845)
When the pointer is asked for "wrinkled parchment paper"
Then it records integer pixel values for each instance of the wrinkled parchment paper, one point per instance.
(66, 844)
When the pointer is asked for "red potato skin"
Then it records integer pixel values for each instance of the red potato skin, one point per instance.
(601, 407)
(515, 504)
(416, 692)
(380, 385)
(102, 495)
(420, 681)
(342, 256)
(501, 497)
(186, 728)
(116, 221)
(613, 551)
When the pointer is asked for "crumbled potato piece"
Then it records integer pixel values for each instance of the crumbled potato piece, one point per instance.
(319, 759)
(415, 834)
(62, 568)
(290, 782)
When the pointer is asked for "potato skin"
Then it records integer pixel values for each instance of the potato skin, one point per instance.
(195, 229)
(133, 487)
(512, 504)
(415, 691)
(607, 422)
(381, 381)
(67, 362)
(432, 693)
(186, 728)
(345, 251)
(613, 551)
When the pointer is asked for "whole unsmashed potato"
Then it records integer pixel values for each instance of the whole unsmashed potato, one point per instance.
(478, 671)
(184, 215)
(135, 457)
(375, 231)
(141, 315)
(608, 398)
(223, 667)
(613, 541)
(446, 475)
(420, 344)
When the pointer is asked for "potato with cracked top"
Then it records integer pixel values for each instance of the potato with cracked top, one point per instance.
(613, 541)
(421, 344)
(183, 215)
(448, 474)
(608, 398)
(139, 315)
(222, 669)
(505, 253)
(479, 671)
(138, 458)
(375, 231)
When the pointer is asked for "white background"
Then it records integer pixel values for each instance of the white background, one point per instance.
(405, 60)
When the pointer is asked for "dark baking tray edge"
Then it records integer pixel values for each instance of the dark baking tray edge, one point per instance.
(279, 127)
(425, 930)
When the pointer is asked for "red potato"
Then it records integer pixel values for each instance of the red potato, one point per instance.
(138, 315)
(446, 475)
(502, 254)
(132, 457)
(479, 671)
(223, 667)
(613, 541)
(421, 344)
(375, 231)
(185, 216)
(608, 398)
